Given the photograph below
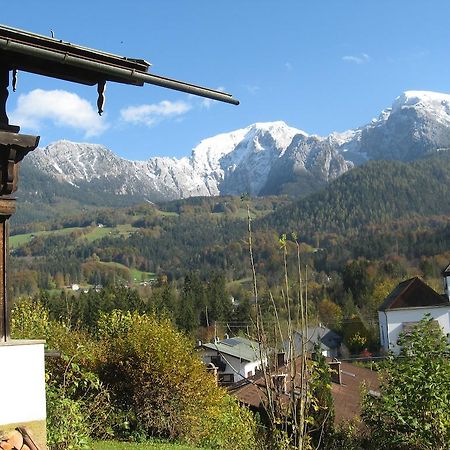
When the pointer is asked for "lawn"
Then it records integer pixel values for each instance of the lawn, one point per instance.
(116, 445)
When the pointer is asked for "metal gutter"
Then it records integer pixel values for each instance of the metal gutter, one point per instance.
(129, 76)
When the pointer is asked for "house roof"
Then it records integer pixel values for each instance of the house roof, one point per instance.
(31, 52)
(327, 338)
(251, 390)
(446, 271)
(413, 293)
(238, 347)
(346, 396)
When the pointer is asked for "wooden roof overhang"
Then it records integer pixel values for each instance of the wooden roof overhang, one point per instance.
(29, 52)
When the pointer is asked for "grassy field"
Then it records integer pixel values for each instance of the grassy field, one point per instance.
(20, 239)
(115, 445)
(92, 234)
(119, 230)
(137, 275)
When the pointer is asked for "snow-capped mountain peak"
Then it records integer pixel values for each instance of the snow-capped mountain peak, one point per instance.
(259, 159)
(423, 99)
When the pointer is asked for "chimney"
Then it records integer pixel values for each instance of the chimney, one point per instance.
(279, 383)
(281, 359)
(335, 368)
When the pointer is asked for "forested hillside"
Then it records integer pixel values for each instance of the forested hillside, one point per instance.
(377, 193)
(381, 209)
(366, 231)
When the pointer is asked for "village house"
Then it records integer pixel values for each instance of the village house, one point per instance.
(347, 381)
(409, 303)
(327, 340)
(234, 359)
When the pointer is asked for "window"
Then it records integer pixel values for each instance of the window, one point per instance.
(217, 361)
(226, 378)
(408, 327)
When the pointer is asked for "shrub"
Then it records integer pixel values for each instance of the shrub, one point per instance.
(29, 320)
(156, 378)
(66, 424)
(78, 406)
(412, 411)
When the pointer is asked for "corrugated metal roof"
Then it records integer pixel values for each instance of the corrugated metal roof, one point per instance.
(238, 347)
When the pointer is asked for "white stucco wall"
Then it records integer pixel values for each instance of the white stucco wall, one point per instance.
(251, 367)
(391, 322)
(447, 286)
(22, 382)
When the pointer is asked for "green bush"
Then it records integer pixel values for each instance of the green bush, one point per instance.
(67, 427)
(412, 411)
(157, 379)
(78, 406)
(137, 378)
(29, 320)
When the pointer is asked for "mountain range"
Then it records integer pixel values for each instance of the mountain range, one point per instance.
(261, 159)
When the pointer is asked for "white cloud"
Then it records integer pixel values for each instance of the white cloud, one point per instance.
(206, 103)
(154, 113)
(363, 58)
(252, 88)
(59, 107)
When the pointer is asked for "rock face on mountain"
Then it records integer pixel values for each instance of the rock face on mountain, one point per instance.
(262, 159)
(418, 123)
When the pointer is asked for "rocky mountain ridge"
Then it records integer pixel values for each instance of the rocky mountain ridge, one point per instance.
(261, 159)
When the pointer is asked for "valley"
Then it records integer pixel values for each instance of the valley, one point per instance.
(341, 220)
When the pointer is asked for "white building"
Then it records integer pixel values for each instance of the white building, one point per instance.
(235, 358)
(407, 304)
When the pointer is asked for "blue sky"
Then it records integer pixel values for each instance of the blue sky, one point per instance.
(320, 66)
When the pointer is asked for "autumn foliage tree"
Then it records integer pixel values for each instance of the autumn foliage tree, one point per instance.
(163, 387)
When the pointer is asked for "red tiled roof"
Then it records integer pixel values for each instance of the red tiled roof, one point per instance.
(346, 396)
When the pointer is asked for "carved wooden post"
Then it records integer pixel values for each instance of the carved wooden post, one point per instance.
(7, 208)
(26, 383)
(13, 148)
